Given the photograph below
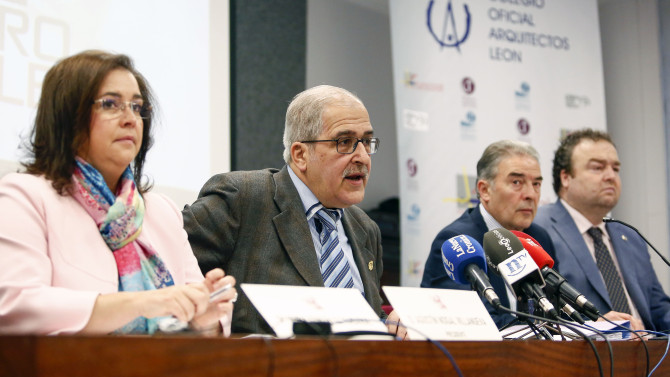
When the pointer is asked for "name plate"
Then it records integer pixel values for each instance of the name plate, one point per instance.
(281, 305)
(442, 314)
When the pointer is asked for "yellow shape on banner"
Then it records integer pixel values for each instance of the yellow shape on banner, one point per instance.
(468, 197)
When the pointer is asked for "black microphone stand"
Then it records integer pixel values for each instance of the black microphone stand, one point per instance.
(611, 220)
(527, 305)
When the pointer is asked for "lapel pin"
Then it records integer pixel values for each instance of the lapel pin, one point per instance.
(370, 265)
(623, 237)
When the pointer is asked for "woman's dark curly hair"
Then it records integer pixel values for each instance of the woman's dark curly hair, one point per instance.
(62, 122)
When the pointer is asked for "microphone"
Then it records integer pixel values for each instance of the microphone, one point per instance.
(611, 220)
(507, 257)
(556, 283)
(464, 262)
(570, 311)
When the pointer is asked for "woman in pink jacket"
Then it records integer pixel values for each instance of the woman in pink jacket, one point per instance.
(84, 246)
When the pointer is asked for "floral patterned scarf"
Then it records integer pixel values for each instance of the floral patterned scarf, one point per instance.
(119, 219)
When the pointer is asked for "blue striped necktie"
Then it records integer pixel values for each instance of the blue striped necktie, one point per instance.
(335, 268)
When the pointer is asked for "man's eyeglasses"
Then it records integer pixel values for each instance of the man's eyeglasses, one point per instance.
(113, 107)
(347, 145)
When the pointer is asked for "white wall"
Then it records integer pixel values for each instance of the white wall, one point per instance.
(349, 45)
(634, 102)
(189, 79)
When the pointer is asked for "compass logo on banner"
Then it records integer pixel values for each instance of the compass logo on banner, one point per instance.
(443, 27)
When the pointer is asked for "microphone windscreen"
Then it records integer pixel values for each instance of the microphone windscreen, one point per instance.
(457, 253)
(500, 244)
(539, 255)
(505, 251)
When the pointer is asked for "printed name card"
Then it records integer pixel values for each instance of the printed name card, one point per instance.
(442, 314)
(281, 305)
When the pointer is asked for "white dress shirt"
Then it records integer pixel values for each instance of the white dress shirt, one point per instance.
(583, 225)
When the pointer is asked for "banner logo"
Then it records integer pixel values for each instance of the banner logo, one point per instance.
(522, 96)
(412, 167)
(446, 34)
(469, 120)
(415, 267)
(468, 85)
(523, 91)
(523, 126)
(412, 82)
(415, 120)
(466, 191)
(576, 101)
(414, 212)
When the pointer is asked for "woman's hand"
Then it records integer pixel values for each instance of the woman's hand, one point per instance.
(181, 301)
(187, 303)
(221, 309)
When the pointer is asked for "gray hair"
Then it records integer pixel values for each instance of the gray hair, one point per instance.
(304, 119)
(487, 166)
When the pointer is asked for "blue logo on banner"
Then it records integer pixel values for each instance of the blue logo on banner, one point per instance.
(470, 118)
(448, 34)
(523, 90)
(414, 212)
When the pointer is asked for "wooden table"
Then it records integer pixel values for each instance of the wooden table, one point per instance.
(195, 356)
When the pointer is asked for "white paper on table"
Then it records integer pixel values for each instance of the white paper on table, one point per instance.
(611, 331)
(281, 305)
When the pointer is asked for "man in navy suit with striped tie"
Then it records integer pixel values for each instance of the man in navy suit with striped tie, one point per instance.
(608, 263)
(298, 225)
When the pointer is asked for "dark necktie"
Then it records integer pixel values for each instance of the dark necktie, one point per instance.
(335, 268)
(609, 272)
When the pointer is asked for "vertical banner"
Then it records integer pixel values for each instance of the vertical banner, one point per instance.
(471, 72)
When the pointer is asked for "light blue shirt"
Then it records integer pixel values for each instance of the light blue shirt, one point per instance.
(492, 223)
(308, 200)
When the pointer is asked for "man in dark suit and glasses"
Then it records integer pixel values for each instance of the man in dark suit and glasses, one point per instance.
(298, 225)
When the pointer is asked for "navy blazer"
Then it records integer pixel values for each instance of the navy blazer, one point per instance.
(472, 223)
(580, 269)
